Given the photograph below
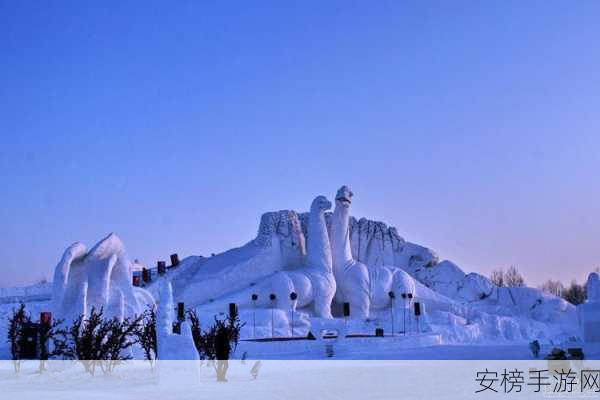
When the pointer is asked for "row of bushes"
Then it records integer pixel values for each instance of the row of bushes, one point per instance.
(105, 342)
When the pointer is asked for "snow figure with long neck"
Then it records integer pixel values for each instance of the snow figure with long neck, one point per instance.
(365, 288)
(317, 276)
(313, 283)
(100, 279)
(351, 276)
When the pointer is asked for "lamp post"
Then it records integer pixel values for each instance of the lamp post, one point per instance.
(254, 298)
(293, 297)
(404, 313)
(410, 296)
(346, 315)
(272, 297)
(392, 298)
(417, 315)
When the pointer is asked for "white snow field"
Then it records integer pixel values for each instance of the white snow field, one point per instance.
(297, 273)
(343, 379)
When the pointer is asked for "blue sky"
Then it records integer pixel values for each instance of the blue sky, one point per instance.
(470, 126)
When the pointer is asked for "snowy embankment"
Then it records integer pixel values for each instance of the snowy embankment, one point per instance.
(37, 292)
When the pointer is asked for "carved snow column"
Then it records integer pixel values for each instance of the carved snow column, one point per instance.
(172, 346)
(589, 312)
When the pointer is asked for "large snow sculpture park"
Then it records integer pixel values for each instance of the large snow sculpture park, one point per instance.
(321, 274)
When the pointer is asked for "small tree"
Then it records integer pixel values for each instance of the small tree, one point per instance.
(206, 341)
(96, 341)
(196, 331)
(553, 287)
(83, 334)
(218, 341)
(53, 342)
(497, 277)
(203, 341)
(575, 293)
(119, 341)
(513, 278)
(234, 327)
(15, 334)
(146, 335)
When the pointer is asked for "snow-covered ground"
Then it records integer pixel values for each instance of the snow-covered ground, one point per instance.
(291, 380)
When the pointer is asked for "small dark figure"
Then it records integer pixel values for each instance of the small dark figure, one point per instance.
(222, 351)
(255, 369)
(244, 356)
(535, 348)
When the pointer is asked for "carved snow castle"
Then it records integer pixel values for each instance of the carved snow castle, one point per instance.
(315, 271)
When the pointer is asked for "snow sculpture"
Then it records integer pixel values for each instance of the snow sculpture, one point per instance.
(100, 278)
(360, 261)
(593, 288)
(279, 244)
(313, 283)
(172, 346)
(365, 288)
(319, 268)
(373, 243)
(352, 277)
(589, 312)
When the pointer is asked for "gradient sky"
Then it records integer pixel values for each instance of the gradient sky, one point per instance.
(473, 127)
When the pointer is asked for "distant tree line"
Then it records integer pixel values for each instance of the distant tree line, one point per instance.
(509, 278)
(574, 293)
